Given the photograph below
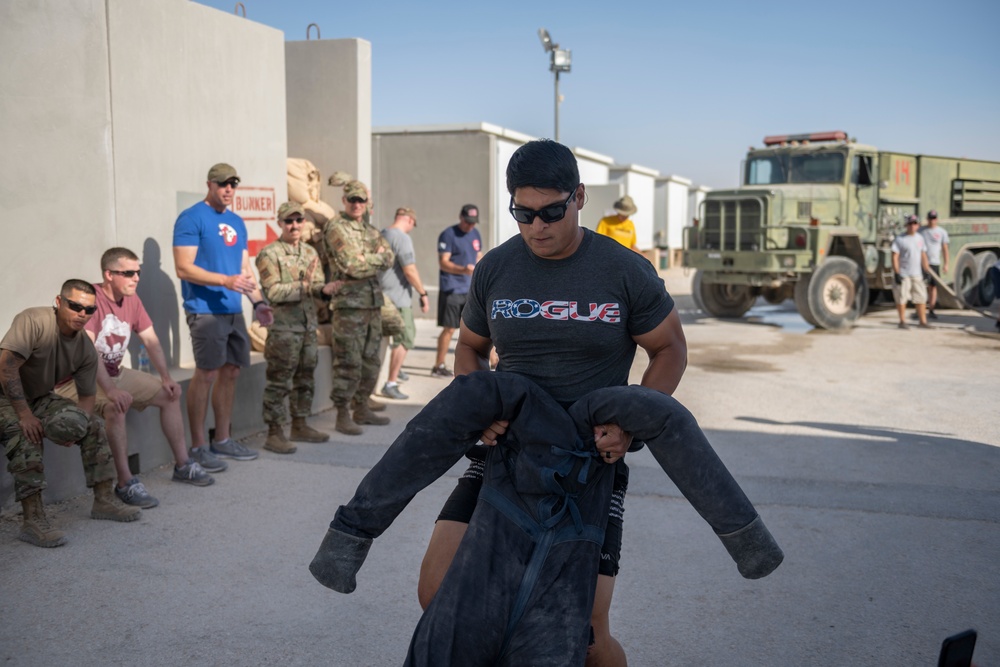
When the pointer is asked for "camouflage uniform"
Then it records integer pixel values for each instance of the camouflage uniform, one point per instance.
(291, 349)
(356, 318)
(63, 422)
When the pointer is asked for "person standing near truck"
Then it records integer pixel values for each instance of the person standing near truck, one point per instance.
(620, 226)
(909, 257)
(937, 240)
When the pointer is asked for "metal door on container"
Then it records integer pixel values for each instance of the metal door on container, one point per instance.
(863, 194)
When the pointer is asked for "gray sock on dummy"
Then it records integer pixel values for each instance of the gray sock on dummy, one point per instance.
(754, 550)
(338, 560)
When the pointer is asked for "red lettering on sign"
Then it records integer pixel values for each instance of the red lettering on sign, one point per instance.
(252, 203)
(903, 170)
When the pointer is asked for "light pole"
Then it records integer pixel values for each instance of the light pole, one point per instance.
(560, 60)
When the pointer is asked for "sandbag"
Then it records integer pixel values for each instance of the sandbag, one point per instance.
(319, 211)
(303, 180)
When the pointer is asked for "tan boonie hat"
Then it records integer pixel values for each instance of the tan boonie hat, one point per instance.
(222, 172)
(340, 178)
(68, 425)
(407, 211)
(355, 189)
(625, 206)
(289, 207)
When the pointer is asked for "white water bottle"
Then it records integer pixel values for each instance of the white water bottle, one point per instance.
(143, 360)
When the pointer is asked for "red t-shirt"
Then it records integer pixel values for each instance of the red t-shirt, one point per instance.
(112, 326)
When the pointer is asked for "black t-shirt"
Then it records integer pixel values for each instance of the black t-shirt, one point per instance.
(566, 324)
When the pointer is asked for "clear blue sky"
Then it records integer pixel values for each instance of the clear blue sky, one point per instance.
(683, 89)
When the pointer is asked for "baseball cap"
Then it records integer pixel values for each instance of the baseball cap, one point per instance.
(288, 208)
(407, 211)
(912, 219)
(470, 213)
(222, 172)
(932, 214)
(355, 189)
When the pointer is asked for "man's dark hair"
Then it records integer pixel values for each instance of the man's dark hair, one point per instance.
(543, 163)
(111, 257)
(76, 284)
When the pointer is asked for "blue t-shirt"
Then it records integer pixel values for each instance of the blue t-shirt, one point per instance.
(464, 248)
(221, 239)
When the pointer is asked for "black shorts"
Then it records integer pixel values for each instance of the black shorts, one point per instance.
(462, 503)
(450, 307)
(936, 268)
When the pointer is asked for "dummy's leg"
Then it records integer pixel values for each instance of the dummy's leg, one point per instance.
(427, 448)
(680, 447)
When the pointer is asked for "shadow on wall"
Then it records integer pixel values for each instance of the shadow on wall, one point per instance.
(158, 292)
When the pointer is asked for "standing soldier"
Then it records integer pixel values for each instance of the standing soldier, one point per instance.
(290, 276)
(356, 252)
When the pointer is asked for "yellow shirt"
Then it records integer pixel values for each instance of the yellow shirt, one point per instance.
(622, 231)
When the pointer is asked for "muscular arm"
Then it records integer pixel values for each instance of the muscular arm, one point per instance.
(667, 350)
(472, 352)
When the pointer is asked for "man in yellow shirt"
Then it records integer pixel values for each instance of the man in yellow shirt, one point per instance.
(619, 226)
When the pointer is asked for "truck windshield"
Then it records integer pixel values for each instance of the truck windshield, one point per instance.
(824, 167)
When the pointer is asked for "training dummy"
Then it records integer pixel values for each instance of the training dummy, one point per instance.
(521, 586)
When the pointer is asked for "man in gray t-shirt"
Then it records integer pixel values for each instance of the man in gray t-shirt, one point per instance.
(909, 261)
(398, 283)
(937, 241)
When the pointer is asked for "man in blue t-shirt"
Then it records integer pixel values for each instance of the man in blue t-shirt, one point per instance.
(459, 249)
(213, 264)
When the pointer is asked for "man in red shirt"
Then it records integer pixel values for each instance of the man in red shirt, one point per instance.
(120, 313)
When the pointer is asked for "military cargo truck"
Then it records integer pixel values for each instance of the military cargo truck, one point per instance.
(814, 219)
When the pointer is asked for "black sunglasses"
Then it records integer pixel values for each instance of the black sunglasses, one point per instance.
(291, 221)
(357, 200)
(549, 214)
(79, 307)
(127, 274)
(232, 181)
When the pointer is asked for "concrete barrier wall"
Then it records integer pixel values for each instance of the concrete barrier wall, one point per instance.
(329, 99)
(113, 112)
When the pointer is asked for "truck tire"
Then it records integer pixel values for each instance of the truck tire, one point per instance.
(966, 275)
(802, 299)
(696, 292)
(838, 293)
(721, 300)
(987, 288)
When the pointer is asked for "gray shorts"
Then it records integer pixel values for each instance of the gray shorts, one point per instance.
(219, 340)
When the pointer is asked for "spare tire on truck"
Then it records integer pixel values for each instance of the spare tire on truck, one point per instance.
(837, 293)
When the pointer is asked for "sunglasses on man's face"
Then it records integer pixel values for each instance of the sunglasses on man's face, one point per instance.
(294, 221)
(232, 182)
(127, 274)
(80, 308)
(549, 214)
(357, 200)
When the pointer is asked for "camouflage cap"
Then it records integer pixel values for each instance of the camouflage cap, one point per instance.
(222, 172)
(340, 178)
(68, 425)
(355, 189)
(288, 208)
(407, 211)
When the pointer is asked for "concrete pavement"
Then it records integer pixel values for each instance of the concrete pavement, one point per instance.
(872, 457)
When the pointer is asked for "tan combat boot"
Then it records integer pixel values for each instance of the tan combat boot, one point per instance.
(276, 441)
(375, 406)
(302, 432)
(345, 424)
(364, 415)
(107, 506)
(36, 529)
